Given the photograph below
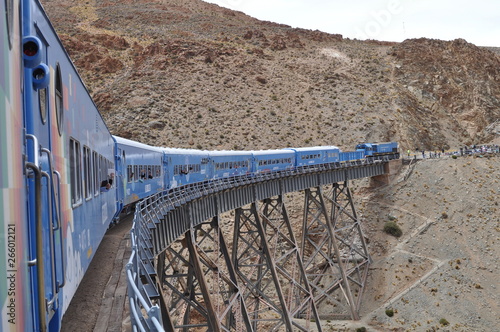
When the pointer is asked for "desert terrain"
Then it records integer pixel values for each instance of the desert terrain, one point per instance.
(441, 274)
(190, 74)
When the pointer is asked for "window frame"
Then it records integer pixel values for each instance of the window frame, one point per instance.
(88, 180)
(59, 99)
(75, 155)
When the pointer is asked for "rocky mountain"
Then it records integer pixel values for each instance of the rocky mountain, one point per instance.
(185, 73)
(195, 75)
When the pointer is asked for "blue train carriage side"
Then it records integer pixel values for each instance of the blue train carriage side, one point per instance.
(17, 307)
(225, 164)
(379, 150)
(352, 156)
(316, 155)
(140, 171)
(265, 161)
(185, 166)
(68, 150)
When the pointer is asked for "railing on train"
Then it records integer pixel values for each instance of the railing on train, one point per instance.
(139, 299)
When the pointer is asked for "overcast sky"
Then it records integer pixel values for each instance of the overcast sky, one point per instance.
(477, 21)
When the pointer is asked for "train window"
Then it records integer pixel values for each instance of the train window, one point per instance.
(95, 167)
(136, 172)
(9, 13)
(87, 173)
(75, 172)
(42, 101)
(142, 172)
(101, 172)
(59, 100)
(130, 173)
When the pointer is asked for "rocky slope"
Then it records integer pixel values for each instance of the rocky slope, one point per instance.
(192, 74)
(446, 263)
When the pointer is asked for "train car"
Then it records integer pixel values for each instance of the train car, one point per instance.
(315, 155)
(224, 164)
(351, 156)
(17, 307)
(56, 151)
(374, 150)
(140, 171)
(185, 166)
(266, 161)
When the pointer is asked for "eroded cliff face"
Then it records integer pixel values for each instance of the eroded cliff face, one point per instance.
(454, 85)
(192, 74)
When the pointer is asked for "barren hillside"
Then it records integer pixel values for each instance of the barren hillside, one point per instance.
(192, 74)
(446, 263)
(184, 73)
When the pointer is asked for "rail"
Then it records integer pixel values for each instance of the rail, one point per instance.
(152, 211)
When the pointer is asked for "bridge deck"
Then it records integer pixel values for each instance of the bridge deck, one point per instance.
(101, 302)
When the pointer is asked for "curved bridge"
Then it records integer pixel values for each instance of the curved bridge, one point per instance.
(187, 271)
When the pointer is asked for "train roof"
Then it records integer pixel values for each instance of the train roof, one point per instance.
(219, 153)
(315, 148)
(271, 152)
(180, 151)
(370, 144)
(128, 142)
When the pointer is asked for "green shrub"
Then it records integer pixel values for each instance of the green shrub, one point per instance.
(393, 229)
(454, 157)
(389, 312)
(361, 329)
(444, 322)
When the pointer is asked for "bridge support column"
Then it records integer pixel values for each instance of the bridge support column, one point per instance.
(201, 284)
(267, 259)
(334, 249)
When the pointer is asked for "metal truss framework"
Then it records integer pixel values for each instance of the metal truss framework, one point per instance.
(334, 250)
(267, 282)
(187, 272)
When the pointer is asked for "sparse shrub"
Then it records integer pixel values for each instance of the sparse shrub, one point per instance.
(443, 322)
(454, 157)
(389, 312)
(444, 215)
(393, 229)
(361, 329)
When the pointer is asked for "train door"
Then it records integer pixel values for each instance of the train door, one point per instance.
(43, 177)
(121, 178)
(15, 300)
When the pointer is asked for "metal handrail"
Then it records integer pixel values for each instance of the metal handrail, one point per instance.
(42, 305)
(178, 196)
(51, 242)
(57, 197)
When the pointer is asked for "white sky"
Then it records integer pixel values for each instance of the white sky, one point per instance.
(477, 21)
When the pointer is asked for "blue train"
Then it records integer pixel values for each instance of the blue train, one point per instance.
(64, 178)
(379, 150)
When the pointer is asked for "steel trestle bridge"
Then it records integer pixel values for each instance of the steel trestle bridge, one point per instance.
(187, 272)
